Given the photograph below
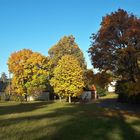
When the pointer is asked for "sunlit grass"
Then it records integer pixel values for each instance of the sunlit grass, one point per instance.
(110, 95)
(63, 121)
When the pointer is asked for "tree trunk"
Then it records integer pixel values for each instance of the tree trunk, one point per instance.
(69, 99)
(60, 98)
(95, 95)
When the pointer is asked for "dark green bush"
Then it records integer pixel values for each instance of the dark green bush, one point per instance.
(128, 91)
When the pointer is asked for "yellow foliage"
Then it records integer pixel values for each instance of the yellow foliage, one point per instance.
(27, 66)
(68, 77)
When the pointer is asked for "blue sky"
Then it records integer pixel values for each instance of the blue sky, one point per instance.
(39, 24)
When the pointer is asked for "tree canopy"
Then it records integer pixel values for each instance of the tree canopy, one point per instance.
(29, 71)
(68, 77)
(66, 46)
(102, 79)
(116, 46)
(89, 78)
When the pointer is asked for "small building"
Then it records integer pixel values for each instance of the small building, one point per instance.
(44, 96)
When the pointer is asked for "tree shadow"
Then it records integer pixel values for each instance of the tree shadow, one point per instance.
(85, 122)
(87, 125)
(21, 107)
(92, 126)
(114, 104)
(136, 122)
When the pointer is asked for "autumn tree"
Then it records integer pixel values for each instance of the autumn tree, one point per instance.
(68, 77)
(37, 67)
(116, 46)
(29, 71)
(102, 79)
(66, 46)
(89, 78)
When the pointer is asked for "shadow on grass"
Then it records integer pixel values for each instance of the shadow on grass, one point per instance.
(7, 108)
(85, 122)
(112, 103)
(89, 125)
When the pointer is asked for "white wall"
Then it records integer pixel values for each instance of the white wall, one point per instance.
(111, 86)
(87, 95)
(42, 96)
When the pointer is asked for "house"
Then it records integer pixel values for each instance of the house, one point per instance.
(87, 95)
(44, 96)
(111, 86)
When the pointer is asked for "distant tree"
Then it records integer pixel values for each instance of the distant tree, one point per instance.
(3, 77)
(102, 79)
(3, 82)
(66, 46)
(116, 46)
(29, 71)
(68, 77)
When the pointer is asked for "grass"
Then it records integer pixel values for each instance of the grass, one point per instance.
(110, 96)
(63, 121)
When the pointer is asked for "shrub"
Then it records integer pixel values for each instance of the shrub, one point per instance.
(128, 91)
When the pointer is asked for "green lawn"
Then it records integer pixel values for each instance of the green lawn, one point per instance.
(63, 121)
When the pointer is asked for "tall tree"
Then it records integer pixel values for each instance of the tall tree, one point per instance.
(68, 77)
(29, 71)
(37, 68)
(116, 46)
(16, 64)
(66, 46)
